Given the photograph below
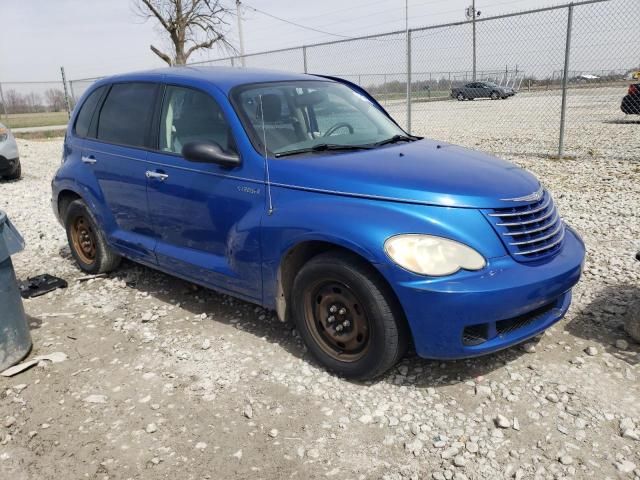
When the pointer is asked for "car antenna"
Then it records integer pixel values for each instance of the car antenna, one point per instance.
(266, 157)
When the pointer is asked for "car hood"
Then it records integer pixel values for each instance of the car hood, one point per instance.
(425, 171)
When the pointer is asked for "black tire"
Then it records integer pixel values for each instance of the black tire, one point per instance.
(16, 174)
(495, 95)
(460, 97)
(387, 336)
(82, 229)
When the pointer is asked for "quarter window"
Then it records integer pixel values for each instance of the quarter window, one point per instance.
(192, 116)
(83, 121)
(126, 113)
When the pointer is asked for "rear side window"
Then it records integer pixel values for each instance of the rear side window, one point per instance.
(83, 121)
(126, 113)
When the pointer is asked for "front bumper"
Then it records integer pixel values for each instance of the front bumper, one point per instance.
(475, 313)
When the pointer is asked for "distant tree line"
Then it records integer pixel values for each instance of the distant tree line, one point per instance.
(51, 100)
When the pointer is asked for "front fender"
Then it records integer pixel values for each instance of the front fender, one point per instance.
(361, 225)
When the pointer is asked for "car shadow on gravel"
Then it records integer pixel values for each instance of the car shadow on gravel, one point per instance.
(245, 316)
(602, 321)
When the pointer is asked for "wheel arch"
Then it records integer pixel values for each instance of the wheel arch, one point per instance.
(299, 254)
(65, 197)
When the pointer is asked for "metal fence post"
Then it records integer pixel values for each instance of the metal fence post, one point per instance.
(567, 52)
(73, 95)
(4, 105)
(304, 59)
(408, 81)
(66, 92)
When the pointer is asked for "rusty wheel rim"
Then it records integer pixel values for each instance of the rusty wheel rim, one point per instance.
(84, 239)
(337, 320)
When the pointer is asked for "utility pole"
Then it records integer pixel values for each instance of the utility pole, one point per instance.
(239, 14)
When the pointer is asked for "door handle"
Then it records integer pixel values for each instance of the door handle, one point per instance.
(90, 159)
(156, 175)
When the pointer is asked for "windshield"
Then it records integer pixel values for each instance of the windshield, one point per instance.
(305, 116)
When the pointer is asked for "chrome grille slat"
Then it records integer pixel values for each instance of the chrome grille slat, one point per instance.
(529, 232)
(550, 224)
(540, 239)
(528, 222)
(546, 247)
(523, 212)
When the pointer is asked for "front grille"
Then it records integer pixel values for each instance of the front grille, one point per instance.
(530, 232)
(505, 327)
(477, 334)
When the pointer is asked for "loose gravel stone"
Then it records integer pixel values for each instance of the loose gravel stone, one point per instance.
(622, 344)
(501, 421)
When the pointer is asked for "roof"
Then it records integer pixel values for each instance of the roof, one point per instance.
(224, 78)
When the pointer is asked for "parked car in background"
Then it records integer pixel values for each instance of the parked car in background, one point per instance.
(9, 158)
(301, 194)
(631, 101)
(474, 90)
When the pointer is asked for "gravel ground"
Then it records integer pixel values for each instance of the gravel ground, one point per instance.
(166, 380)
(529, 123)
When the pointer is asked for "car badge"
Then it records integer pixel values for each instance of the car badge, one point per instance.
(532, 197)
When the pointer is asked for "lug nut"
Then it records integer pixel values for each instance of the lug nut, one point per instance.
(339, 328)
(346, 323)
(342, 311)
(331, 319)
(333, 309)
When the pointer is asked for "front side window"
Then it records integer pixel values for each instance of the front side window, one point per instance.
(83, 120)
(192, 116)
(292, 116)
(126, 113)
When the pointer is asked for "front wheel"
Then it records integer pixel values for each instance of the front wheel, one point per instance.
(460, 97)
(494, 96)
(348, 317)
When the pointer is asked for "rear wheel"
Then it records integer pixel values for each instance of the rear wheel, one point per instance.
(495, 95)
(460, 97)
(88, 246)
(347, 316)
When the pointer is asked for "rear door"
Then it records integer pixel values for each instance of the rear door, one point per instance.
(117, 154)
(205, 216)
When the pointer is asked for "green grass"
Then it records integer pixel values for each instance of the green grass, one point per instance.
(45, 135)
(44, 119)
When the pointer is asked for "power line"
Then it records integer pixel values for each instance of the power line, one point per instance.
(294, 23)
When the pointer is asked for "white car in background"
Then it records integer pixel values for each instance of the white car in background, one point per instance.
(9, 158)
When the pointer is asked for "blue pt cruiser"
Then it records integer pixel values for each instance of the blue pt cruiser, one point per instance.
(301, 194)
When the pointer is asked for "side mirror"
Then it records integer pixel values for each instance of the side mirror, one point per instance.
(209, 152)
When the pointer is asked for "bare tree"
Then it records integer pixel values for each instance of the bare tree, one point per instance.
(191, 24)
(55, 99)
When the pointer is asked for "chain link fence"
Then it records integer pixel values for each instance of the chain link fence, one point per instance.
(25, 104)
(569, 66)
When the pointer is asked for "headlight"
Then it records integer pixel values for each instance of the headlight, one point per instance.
(430, 255)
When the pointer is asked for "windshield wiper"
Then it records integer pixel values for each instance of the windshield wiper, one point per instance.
(396, 139)
(323, 147)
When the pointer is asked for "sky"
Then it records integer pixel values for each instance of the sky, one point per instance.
(92, 38)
